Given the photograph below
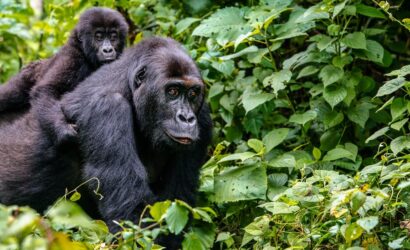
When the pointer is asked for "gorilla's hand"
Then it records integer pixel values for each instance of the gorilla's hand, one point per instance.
(63, 130)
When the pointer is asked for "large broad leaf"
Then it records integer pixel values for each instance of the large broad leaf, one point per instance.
(334, 94)
(359, 113)
(250, 49)
(238, 156)
(400, 143)
(307, 71)
(251, 101)
(159, 209)
(374, 51)
(313, 13)
(184, 24)
(176, 218)
(330, 74)
(369, 11)
(277, 80)
(338, 153)
(356, 40)
(377, 134)
(405, 70)
(241, 183)
(368, 223)
(274, 138)
(225, 25)
(302, 119)
(278, 207)
(199, 238)
(391, 86)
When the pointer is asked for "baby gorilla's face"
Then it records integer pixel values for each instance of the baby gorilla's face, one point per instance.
(106, 42)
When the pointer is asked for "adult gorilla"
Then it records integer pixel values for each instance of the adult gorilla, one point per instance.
(98, 38)
(143, 132)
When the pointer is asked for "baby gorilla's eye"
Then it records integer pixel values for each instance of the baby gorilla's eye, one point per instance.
(98, 36)
(173, 91)
(113, 36)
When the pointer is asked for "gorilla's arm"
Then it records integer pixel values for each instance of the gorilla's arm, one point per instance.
(15, 94)
(105, 124)
(60, 78)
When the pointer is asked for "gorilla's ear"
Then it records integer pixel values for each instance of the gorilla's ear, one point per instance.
(139, 77)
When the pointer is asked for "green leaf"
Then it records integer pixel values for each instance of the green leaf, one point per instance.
(369, 11)
(225, 25)
(374, 51)
(313, 13)
(359, 113)
(159, 209)
(283, 161)
(199, 238)
(397, 243)
(332, 119)
(252, 101)
(277, 80)
(368, 223)
(405, 70)
(338, 153)
(398, 125)
(176, 217)
(225, 67)
(317, 154)
(184, 24)
(377, 134)
(256, 145)
(302, 119)
(75, 197)
(356, 40)
(330, 74)
(274, 138)
(238, 156)
(398, 107)
(400, 143)
(307, 71)
(245, 51)
(358, 199)
(277, 207)
(391, 86)
(352, 232)
(334, 94)
(241, 183)
(338, 8)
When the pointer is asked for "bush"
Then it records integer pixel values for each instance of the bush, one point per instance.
(310, 105)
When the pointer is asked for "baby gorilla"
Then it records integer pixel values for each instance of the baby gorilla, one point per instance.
(98, 38)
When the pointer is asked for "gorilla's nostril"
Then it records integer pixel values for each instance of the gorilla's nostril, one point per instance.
(182, 118)
(191, 119)
(107, 50)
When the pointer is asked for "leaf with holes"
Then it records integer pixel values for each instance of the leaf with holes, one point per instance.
(241, 183)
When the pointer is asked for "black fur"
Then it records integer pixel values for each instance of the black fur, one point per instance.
(42, 83)
(124, 132)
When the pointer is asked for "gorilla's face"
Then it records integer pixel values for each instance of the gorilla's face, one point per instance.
(179, 106)
(106, 44)
(168, 97)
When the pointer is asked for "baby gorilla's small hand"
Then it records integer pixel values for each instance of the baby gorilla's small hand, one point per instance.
(65, 131)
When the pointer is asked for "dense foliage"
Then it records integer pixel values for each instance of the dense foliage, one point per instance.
(311, 108)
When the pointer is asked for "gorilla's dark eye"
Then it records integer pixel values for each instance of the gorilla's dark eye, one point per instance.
(98, 36)
(113, 36)
(139, 77)
(173, 91)
(192, 94)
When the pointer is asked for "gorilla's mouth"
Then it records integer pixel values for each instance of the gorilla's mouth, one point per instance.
(182, 139)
